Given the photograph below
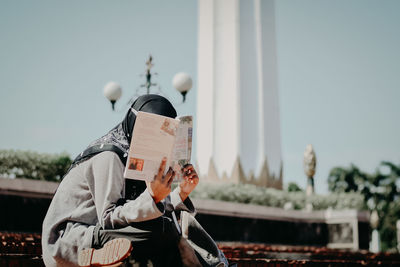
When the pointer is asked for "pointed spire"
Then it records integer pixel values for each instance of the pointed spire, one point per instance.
(264, 177)
(237, 174)
(212, 171)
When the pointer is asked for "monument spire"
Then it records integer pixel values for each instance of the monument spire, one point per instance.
(238, 107)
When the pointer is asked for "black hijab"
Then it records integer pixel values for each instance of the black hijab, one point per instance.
(119, 138)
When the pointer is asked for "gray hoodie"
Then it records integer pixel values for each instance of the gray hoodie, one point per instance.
(88, 195)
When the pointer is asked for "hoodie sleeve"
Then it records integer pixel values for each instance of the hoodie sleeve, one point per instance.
(107, 170)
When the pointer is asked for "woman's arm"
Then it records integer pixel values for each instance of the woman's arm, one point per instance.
(180, 196)
(107, 171)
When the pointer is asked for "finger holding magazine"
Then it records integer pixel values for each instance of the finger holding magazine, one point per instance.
(160, 187)
(189, 181)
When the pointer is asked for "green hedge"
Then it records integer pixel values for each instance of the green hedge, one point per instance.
(52, 167)
(33, 165)
(251, 194)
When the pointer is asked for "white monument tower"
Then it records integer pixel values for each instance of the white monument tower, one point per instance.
(238, 129)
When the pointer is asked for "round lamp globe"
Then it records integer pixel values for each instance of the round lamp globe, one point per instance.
(112, 91)
(182, 82)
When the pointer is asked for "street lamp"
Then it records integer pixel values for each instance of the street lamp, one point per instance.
(374, 245)
(309, 164)
(113, 92)
(181, 81)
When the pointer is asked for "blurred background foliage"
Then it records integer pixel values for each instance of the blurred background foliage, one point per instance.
(380, 190)
(33, 165)
(293, 187)
(251, 194)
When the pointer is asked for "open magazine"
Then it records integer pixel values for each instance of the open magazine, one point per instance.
(154, 137)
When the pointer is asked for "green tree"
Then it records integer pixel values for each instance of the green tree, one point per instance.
(344, 180)
(380, 190)
(388, 229)
(293, 187)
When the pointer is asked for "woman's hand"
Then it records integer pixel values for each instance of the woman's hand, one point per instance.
(160, 187)
(189, 182)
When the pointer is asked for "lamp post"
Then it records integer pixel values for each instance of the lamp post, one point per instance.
(148, 84)
(113, 92)
(309, 163)
(375, 241)
(398, 235)
(181, 81)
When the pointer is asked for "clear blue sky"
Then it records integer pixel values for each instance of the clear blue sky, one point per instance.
(338, 66)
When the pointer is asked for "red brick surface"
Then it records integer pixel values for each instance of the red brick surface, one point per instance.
(20, 250)
(24, 249)
(273, 255)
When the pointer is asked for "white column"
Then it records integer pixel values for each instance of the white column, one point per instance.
(226, 88)
(237, 103)
(251, 129)
(205, 91)
(218, 90)
(398, 235)
(271, 124)
(375, 242)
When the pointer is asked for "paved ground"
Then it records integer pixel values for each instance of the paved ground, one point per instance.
(24, 249)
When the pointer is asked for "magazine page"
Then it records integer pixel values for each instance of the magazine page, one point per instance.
(153, 138)
(183, 146)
